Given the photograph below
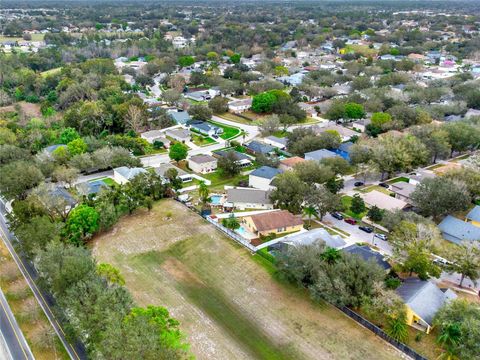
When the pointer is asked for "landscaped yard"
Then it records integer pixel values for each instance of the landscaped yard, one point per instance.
(107, 180)
(219, 181)
(347, 202)
(227, 302)
(229, 132)
(202, 140)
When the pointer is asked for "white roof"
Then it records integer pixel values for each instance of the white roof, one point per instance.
(382, 201)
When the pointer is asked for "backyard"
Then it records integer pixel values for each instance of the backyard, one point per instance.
(228, 302)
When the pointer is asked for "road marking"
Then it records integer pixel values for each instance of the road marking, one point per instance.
(32, 284)
(14, 330)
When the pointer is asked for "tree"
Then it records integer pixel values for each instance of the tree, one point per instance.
(65, 174)
(379, 119)
(310, 212)
(185, 61)
(322, 200)
(200, 112)
(357, 205)
(231, 222)
(229, 165)
(10, 153)
(263, 102)
(270, 125)
(397, 326)
(17, 177)
(68, 135)
(203, 192)
(81, 224)
(440, 196)
(375, 214)
(171, 96)
(354, 111)
(175, 182)
(110, 273)
(311, 172)
(462, 136)
(36, 234)
(458, 325)
(289, 193)
(135, 118)
(77, 147)
(178, 151)
(218, 105)
(465, 260)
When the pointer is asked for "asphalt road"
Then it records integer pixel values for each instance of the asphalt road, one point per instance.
(16, 345)
(46, 301)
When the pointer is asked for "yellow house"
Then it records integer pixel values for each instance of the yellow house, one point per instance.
(423, 299)
(474, 216)
(276, 222)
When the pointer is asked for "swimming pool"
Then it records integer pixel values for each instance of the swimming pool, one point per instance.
(216, 199)
(241, 231)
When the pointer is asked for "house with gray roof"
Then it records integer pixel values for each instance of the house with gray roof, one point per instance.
(49, 150)
(179, 134)
(247, 198)
(182, 174)
(403, 190)
(242, 160)
(123, 174)
(423, 299)
(262, 177)
(368, 254)
(457, 231)
(180, 116)
(280, 143)
(319, 155)
(204, 128)
(257, 147)
(474, 215)
(308, 238)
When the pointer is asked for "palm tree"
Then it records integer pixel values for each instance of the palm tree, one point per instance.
(203, 192)
(331, 255)
(448, 339)
(310, 211)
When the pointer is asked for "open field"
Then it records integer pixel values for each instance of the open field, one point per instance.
(35, 37)
(40, 335)
(226, 300)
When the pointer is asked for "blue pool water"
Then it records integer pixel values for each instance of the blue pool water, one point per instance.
(241, 230)
(215, 199)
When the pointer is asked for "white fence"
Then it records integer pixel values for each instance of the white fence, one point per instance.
(231, 234)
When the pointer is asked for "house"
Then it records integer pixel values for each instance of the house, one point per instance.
(202, 163)
(474, 216)
(403, 190)
(289, 163)
(243, 160)
(382, 201)
(204, 128)
(457, 231)
(182, 174)
(276, 222)
(91, 187)
(280, 143)
(318, 155)
(344, 150)
(180, 117)
(416, 177)
(423, 299)
(156, 136)
(292, 80)
(262, 177)
(308, 238)
(344, 132)
(246, 198)
(239, 106)
(179, 134)
(202, 95)
(123, 174)
(368, 254)
(49, 150)
(257, 148)
(59, 192)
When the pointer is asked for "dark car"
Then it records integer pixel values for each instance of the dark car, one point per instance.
(337, 215)
(358, 183)
(384, 185)
(367, 229)
(351, 221)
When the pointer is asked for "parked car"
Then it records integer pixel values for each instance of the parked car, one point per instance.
(215, 136)
(381, 237)
(358, 183)
(367, 229)
(337, 215)
(384, 185)
(351, 221)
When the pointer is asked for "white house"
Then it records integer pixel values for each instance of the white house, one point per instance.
(262, 177)
(246, 198)
(123, 175)
(277, 142)
(202, 163)
(156, 135)
(239, 106)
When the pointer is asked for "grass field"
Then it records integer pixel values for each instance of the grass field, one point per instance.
(236, 118)
(202, 140)
(347, 202)
(35, 37)
(229, 132)
(41, 337)
(227, 302)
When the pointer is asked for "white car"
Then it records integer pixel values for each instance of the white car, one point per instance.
(381, 237)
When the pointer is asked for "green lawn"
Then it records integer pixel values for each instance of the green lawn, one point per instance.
(229, 132)
(106, 180)
(280, 133)
(35, 37)
(347, 202)
(219, 181)
(398, 179)
(201, 140)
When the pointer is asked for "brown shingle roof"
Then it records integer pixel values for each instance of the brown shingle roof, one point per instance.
(291, 162)
(275, 220)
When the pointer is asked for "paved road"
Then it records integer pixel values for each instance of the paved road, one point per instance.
(77, 351)
(15, 344)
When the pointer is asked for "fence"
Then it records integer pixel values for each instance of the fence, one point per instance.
(367, 324)
(232, 234)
